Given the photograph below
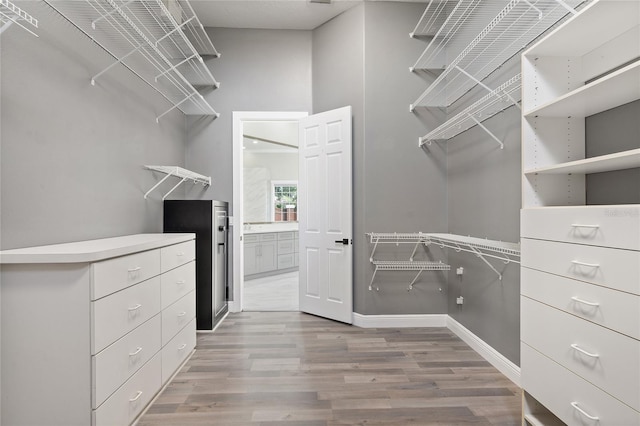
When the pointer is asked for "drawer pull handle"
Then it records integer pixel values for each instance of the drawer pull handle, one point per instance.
(136, 269)
(589, 265)
(181, 314)
(579, 349)
(137, 351)
(182, 346)
(181, 282)
(584, 413)
(584, 302)
(580, 225)
(135, 308)
(180, 254)
(135, 398)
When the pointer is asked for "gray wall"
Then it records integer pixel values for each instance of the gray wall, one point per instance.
(361, 58)
(260, 70)
(72, 154)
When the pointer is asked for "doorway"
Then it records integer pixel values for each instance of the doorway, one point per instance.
(265, 216)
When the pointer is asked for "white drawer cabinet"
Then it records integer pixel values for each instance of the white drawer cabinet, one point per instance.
(267, 253)
(102, 317)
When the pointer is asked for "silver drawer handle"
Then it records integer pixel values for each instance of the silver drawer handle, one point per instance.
(181, 314)
(135, 398)
(181, 282)
(182, 346)
(135, 308)
(136, 269)
(137, 351)
(584, 413)
(179, 254)
(584, 302)
(589, 265)
(580, 225)
(579, 349)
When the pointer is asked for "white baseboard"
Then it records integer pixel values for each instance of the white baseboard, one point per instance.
(494, 357)
(399, 321)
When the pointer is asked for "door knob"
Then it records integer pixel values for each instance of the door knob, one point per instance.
(344, 241)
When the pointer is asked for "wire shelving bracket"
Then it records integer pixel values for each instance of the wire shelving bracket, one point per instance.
(481, 248)
(416, 239)
(514, 27)
(12, 14)
(179, 172)
(160, 41)
(506, 95)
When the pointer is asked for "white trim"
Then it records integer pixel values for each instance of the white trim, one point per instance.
(494, 357)
(399, 321)
(238, 117)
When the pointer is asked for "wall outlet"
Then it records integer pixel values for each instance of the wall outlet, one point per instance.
(460, 271)
(460, 300)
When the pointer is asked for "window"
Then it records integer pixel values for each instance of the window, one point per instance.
(285, 201)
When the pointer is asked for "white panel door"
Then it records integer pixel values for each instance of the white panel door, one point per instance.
(324, 215)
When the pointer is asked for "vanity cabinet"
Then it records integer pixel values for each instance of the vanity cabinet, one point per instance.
(268, 253)
(92, 330)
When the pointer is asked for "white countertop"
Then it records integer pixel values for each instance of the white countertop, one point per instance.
(269, 227)
(92, 250)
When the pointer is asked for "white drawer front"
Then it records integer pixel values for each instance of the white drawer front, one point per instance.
(557, 388)
(285, 235)
(613, 268)
(177, 316)
(128, 402)
(285, 261)
(285, 247)
(268, 237)
(114, 365)
(607, 226)
(610, 308)
(115, 274)
(603, 357)
(177, 282)
(251, 238)
(177, 254)
(177, 350)
(118, 314)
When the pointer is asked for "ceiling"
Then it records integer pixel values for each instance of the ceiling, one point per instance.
(271, 14)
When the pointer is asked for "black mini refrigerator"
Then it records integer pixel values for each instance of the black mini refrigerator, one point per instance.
(208, 220)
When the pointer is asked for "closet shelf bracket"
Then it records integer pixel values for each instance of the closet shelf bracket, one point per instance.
(400, 265)
(483, 127)
(179, 172)
(12, 14)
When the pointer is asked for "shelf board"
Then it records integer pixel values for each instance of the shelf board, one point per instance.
(579, 39)
(604, 163)
(615, 89)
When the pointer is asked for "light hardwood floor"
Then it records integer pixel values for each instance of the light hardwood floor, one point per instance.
(294, 369)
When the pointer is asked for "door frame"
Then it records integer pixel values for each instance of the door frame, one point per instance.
(239, 117)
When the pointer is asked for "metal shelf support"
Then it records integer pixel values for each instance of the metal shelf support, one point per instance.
(12, 14)
(179, 172)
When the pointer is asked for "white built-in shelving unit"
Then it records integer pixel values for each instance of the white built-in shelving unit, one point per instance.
(161, 41)
(11, 14)
(183, 174)
(580, 283)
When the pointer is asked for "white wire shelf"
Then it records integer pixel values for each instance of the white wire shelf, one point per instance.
(184, 174)
(518, 24)
(161, 41)
(506, 95)
(403, 265)
(12, 14)
(443, 26)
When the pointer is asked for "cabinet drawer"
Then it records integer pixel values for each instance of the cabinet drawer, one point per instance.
(285, 247)
(607, 226)
(114, 365)
(177, 350)
(268, 237)
(177, 282)
(285, 261)
(603, 357)
(251, 238)
(613, 268)
(177, 254)
(129, 401)
(285, 236)
(115, 274)
(610, 308)
(118, 314)
(176, 316)
(557, 388)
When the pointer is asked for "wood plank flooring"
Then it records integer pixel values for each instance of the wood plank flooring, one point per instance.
(294, 369)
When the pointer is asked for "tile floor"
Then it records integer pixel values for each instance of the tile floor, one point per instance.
(274, 293)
